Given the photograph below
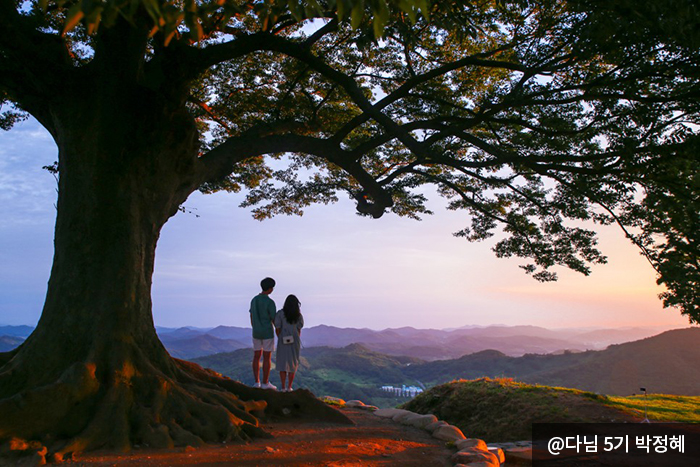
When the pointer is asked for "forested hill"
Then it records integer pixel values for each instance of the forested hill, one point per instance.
(667, 363)
(352, 372)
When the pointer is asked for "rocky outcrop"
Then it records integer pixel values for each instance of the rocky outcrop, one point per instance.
(360, 405)
(471, 452)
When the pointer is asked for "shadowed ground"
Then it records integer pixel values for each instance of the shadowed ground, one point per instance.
(373, 441)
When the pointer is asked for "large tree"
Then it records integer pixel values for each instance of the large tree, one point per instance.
(534, 118)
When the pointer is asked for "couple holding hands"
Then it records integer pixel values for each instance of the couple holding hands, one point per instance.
(287, 324)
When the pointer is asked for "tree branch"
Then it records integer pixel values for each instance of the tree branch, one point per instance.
(33, 61)
(203, 59)
(219, 163)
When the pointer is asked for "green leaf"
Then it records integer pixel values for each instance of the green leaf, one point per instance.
(424, 7)
(153, 9)
(296, 10)
(169, 37)
(313, 8)
(381, 18)
(408, 8)
(358, 13)
(109, 16)
(93, 20)
(75, 14)
(342, 10)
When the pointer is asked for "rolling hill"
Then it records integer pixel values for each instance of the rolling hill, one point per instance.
(198, 345)
(504, 410)
(16, 331)
(668, 363)
(8, 343)
(352, 372)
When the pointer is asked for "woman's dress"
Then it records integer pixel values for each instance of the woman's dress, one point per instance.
(288, 354)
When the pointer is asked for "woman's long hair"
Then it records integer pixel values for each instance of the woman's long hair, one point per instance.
(291, 309)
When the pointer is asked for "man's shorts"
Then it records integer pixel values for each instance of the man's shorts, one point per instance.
(266, 345)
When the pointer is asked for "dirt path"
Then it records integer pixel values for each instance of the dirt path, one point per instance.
(373, 441)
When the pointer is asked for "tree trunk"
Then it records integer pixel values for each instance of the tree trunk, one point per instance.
(94, 373)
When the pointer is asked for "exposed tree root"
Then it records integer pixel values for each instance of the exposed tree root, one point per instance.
(301, 404)
(86, 409)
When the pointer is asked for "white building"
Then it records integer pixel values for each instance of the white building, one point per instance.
(403, 391)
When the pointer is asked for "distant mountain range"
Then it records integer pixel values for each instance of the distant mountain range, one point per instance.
(426, 344)
(668, 363)
(17, 331)
(192, 342)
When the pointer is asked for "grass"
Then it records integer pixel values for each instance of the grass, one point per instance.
(504, 410)
(660, 407)
(335, 375)
(351, 373)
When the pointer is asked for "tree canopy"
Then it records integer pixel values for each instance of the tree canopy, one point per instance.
(527, 115)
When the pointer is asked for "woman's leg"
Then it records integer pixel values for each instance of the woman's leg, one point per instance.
(291, 378)
(283, 377)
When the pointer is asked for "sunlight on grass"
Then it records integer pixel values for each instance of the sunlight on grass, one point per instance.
(660, 407)
(471, 404)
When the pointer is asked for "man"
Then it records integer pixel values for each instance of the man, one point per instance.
(262, 316)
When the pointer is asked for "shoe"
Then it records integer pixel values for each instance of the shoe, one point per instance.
(283, 390)
(268, 386)
(289, 389)
(257, 385)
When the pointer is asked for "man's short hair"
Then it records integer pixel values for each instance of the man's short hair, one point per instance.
(267, 283)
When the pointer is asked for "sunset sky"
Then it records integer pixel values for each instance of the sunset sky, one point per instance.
(347, 271)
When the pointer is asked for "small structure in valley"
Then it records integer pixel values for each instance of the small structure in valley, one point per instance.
(403, 391)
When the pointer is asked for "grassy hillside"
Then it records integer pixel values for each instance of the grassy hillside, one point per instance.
(659, 407)
(667, 363)
(353, 372)
(503, 410)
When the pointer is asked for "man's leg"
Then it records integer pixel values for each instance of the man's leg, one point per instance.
(267, 363)
(256, 365)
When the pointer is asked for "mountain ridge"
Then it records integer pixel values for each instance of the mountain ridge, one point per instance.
(426, 344)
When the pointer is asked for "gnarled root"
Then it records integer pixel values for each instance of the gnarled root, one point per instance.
(300, 404)
(189, 407)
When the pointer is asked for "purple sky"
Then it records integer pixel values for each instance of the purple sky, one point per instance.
(347, 271)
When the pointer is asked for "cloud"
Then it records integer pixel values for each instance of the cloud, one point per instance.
(27, 192)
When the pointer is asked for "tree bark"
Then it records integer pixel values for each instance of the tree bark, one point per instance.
(94, 373)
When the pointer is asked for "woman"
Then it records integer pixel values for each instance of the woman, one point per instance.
(288, 324)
